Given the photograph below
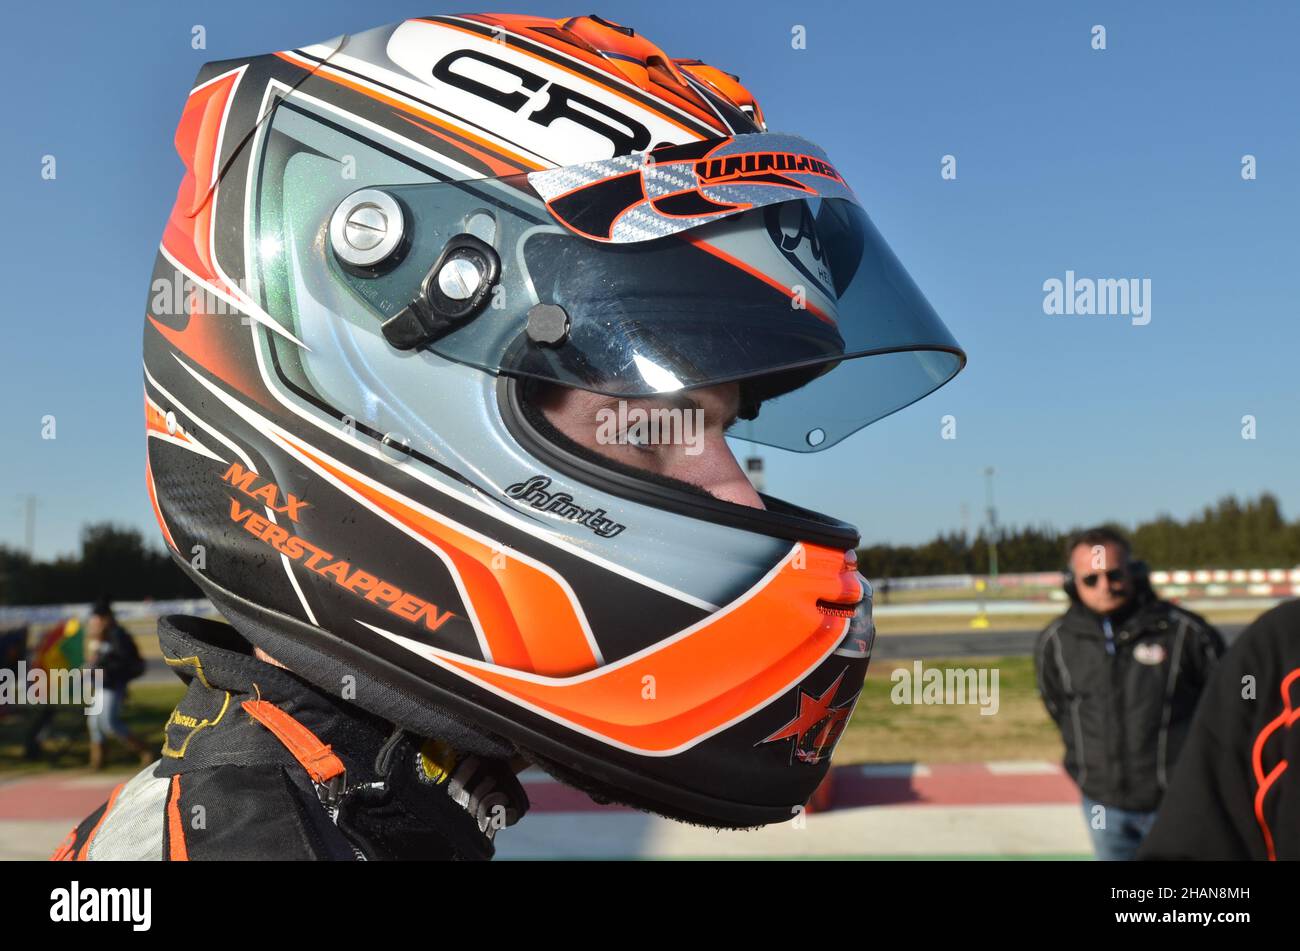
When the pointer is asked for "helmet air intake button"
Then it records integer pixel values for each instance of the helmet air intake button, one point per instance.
(458, 278)
(454, 291)
(548, 324)
(366, 227)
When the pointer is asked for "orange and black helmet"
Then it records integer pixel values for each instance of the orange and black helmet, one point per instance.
(380, 244)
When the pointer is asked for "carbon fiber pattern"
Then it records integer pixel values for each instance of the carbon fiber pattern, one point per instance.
(643, 222)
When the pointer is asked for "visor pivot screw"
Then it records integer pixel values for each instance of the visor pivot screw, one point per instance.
(548, 324)
(366, 227)
(459, 278)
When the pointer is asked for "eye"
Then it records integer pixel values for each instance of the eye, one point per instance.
(637, 440)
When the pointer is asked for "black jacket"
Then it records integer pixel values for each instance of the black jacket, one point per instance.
(119, 658)
(1124, 714)
(1236, 791)
(259, 764)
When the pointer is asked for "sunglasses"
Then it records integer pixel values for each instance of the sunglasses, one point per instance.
(1114, 576)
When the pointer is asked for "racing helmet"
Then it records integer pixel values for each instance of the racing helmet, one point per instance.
(381, 245)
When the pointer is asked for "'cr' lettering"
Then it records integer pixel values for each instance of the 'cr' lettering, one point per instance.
(626, 134)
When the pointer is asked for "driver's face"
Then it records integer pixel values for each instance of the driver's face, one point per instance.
(679, 435)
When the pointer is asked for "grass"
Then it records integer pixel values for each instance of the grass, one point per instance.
(968, 593)
(882, 731)
(67, 744)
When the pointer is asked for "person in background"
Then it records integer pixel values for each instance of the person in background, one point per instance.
(1120, 673)
(111, 649)
(42, 715)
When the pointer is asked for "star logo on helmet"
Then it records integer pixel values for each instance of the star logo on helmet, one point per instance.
(816, 728)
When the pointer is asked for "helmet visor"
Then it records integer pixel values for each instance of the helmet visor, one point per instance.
(668, 276)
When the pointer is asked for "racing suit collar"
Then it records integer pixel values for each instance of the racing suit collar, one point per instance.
(399, 796)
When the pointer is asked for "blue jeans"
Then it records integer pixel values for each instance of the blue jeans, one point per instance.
(1121, 832)
(108, 722)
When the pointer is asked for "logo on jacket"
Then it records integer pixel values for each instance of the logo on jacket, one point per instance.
(818, 725)
(1149, 653)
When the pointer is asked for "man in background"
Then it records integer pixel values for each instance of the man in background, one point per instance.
(1120, 673)
(111, 649)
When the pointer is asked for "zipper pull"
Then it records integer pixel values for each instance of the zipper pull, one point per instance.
(331, 791)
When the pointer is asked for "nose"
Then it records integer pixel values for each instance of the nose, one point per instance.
(717, 471)
(740, 491)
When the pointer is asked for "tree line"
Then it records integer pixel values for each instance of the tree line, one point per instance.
(114, 562)
(1228, 534)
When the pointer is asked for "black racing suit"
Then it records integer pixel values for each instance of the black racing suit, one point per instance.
(259, 764)
(1123, 703)
(1236, 791)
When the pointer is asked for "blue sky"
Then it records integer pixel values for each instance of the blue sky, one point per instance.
(1117, 163)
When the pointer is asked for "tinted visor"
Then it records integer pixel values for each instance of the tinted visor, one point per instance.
(767, 280)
